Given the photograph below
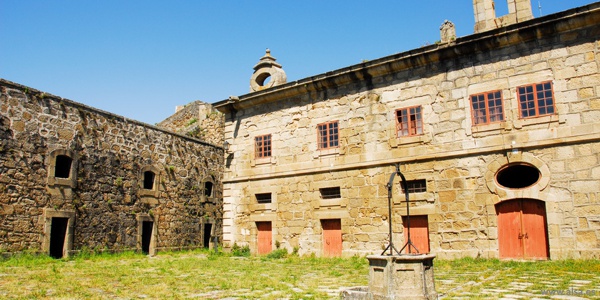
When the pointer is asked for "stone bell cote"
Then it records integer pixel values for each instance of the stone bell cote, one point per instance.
(485, 14)
(267, 73)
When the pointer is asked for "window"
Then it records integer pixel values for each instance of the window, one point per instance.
(330, 193)
(487, 108)
(149, 180)
(208, 189)
(263, 198)
(262, 146)
(409, 121)
(416, 186)
(536, 99)
(63, 166)
(328, 135)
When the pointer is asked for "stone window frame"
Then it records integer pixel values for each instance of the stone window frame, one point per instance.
(486, 108)
(50, 213)
(321, 203)
(418, 121)
(263, 146)
(332, 140)
(535, 99)
(255, 207)
(210, 178)
(141, 218)
(415, 187)
(261, 198)
(154, 192)
(71, 181)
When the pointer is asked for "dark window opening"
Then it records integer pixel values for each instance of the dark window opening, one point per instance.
(518, 176)
(415, 186)
(208, 189)
(146, 235)
(263, 198)
(58, 233)
(63, 166)
(330, 193)
(206, 235)
(149, 180)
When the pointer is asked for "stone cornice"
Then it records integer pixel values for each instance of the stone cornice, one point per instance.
(535, 29)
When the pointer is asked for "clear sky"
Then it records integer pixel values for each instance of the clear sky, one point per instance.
(141, 58)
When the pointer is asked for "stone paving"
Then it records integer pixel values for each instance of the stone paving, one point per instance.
(506, 285)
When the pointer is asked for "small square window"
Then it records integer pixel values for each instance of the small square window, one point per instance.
(487, 108)
(536, 100)
(328, 135)
(262, 146)
(330, 193)
(409, 121)
(415, 186)
(263, 198)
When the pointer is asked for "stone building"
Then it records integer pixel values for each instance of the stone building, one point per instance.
(73, 177)
(497, 134)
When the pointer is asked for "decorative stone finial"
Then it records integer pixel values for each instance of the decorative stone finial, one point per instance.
(447, 32)
(267, 73)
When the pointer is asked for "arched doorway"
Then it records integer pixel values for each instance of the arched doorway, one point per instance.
(522, 230)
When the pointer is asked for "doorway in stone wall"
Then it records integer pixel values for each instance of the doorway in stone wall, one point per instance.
(206, 234)
(147, 227)
(58, 234)
(419, 234)
(522, 230)
(332, 237)
(264, 237)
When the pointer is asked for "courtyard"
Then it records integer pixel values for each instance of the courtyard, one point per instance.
(206, 275)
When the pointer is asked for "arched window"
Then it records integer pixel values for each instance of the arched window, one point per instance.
(62, 168)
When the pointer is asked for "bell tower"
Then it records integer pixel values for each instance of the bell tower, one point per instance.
(267, 73)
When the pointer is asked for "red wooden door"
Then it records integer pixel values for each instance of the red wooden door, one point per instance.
(332, 237)
(265, 237)
(522, 229)
(419, 234)
(535, 238)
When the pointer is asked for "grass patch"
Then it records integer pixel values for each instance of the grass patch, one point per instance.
(204, 274)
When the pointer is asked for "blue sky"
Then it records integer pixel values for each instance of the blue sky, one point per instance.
(140, 59)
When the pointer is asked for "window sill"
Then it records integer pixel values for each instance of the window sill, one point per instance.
(327, 152)
(62, 182)
(263, 161)
(547, 119)
(331, 203)
(407, 140)
(148, 193)
(261, 207)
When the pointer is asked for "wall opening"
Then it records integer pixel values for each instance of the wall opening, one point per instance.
(263, 198)
(58, 234)
(62, 169)
(147, 227)
(206, 235)
(208, 189)
(330, 193)
(149, 180)
(518, 176)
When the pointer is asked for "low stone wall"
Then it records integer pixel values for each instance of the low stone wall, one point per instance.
(108, 193)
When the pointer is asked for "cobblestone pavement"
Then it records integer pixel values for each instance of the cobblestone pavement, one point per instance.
(506, 285)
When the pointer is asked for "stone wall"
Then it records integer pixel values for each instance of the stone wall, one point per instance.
(458, 160)
(106, 195)
(199, 120)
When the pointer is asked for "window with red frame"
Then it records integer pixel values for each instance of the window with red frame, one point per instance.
(487, 108)
(328, 135)
(262, 146)
(536, 99)
(409, 121)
